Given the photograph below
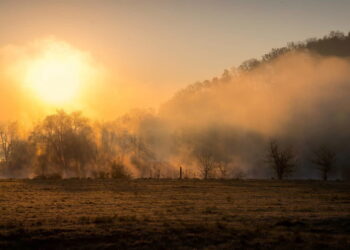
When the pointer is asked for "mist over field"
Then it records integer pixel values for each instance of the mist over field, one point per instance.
(298, 98)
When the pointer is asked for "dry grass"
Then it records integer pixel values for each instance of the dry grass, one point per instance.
(51, 214)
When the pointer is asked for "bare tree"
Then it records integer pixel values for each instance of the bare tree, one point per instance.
(206, 162)
(16, 154)
(223, 169)
(281, 160)
(324, 158)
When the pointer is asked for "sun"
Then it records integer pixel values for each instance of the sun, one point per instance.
(57, 73)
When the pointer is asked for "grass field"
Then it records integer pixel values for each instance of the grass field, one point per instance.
(70, 214)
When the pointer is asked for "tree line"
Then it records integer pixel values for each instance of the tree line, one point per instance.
(71, 145)
(62, 144)
(336, 43)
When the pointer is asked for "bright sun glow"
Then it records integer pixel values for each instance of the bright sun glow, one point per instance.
(57, 73)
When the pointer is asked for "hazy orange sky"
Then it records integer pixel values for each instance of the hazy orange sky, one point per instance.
(165, 45)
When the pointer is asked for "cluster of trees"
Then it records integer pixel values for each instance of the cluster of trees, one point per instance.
(210, 168)
(66, 145)
(64, 141)
(70, 145)
(283, 160)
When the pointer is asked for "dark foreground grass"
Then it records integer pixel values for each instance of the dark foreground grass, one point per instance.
(151, 214)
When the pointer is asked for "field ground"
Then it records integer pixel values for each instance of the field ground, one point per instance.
(158, 214)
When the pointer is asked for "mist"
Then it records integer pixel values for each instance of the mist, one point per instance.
(299, 99)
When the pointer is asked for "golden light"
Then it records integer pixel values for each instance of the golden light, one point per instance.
(57, 73)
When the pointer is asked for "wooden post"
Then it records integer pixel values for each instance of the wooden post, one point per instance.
(180, 173)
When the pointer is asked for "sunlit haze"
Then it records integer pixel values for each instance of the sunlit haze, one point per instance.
(56, 75)
(160, 46)
(175, 124)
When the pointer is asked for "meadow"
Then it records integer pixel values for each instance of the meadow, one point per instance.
(177, 214)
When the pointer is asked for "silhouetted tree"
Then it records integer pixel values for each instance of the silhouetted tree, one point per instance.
(324, 158)
(8, 139)
(282, 161)
(67, 142)
(206, 162)
(16, 154)
(223, 169)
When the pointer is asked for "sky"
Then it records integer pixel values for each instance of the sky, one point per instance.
(165, 45)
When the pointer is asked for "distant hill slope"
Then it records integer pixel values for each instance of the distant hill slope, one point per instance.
(314, 72)
(334, 44)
